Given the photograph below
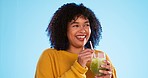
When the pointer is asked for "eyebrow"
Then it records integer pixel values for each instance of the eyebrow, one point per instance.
(78, 22)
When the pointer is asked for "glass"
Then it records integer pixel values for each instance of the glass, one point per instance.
(96, 63)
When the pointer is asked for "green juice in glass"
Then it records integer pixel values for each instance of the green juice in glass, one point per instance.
(96, 63)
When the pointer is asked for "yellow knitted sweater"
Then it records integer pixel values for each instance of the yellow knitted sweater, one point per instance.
(62, 64)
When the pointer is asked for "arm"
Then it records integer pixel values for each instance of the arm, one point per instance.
(45, 69)
(76, 71)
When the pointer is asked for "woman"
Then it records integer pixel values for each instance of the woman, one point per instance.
(70, 30)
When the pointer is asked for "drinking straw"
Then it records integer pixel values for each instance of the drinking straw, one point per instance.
(92, 49)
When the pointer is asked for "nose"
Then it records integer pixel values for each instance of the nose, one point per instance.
(82, 30)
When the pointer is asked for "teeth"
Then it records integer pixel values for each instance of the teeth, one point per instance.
(81, 36)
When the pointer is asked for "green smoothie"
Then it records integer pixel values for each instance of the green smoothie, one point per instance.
(95, 65)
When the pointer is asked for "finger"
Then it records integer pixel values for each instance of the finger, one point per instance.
(107, 62)
(106, 72)
(85, 57)
(108, 67)
(104, 76)
(84, 54)
(86, 51)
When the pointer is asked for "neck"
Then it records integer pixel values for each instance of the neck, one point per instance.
(75, 50)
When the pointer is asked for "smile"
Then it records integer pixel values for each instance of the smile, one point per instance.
(81, 36)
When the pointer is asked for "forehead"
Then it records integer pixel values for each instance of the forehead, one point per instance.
(79, 16)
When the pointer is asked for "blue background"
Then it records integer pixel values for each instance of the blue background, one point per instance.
(23, 37)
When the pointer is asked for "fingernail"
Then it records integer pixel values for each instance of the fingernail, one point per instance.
(105, 60)
(110, 72)
(100, 71)
(102, 65)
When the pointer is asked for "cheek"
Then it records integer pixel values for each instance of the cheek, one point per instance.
(89, 31)
(70, 34)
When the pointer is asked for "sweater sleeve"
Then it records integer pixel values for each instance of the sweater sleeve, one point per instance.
(45, 69)
(114, 70)
(76, 71)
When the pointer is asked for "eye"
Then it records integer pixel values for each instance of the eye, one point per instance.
(75, 26)
(87, 25)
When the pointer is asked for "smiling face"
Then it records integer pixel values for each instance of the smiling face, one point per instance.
(78, 32)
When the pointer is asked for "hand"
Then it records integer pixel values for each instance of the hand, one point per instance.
(85, 56)
(108, 72)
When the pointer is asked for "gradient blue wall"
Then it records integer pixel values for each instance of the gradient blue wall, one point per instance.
(23, 37)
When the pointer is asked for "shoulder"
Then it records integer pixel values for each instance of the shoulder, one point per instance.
(49, 52)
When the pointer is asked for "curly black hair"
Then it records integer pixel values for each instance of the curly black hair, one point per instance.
(57, 28)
